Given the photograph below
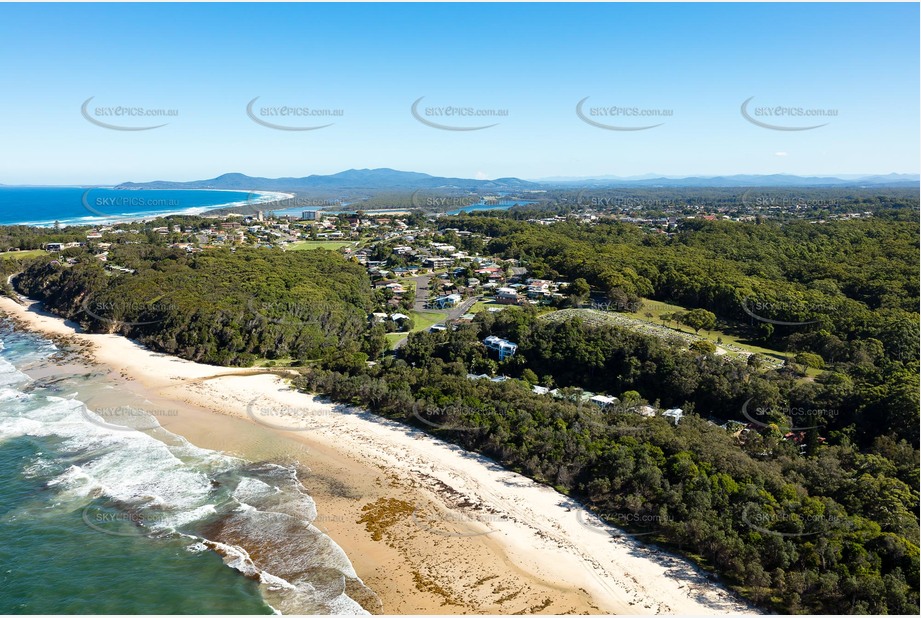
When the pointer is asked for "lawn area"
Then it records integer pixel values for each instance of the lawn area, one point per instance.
(490, 303)
(21, 255)
(422, 320)
(483, 305)
(392, 338)
(309, 245)
(278, 362)
(657, 308)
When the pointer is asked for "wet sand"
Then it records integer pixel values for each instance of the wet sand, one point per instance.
(430, 528)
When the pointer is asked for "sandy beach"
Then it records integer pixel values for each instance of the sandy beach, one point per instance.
(264, 198)
(429, 527)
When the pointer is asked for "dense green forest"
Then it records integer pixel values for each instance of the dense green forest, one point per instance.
(845, 291)
(825, 524)
(24, 237)
(828, 528)
(850, 280)
(220, 306)
(875, 396)
(807, 504)
(776, 202)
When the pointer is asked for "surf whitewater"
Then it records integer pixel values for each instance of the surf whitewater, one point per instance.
(98, 518)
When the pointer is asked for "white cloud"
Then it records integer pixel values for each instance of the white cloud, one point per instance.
(780, 154)
(481, 176)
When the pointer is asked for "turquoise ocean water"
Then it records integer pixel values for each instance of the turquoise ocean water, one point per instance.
(96, 519)
(43, 206)
(501, 205)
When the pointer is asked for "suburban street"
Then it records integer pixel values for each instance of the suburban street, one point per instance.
(422, 291)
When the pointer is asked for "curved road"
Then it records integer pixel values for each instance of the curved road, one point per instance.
(452, 314)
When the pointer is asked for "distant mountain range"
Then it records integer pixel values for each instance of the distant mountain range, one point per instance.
(741, 180)
(389, 179)
(366, 179)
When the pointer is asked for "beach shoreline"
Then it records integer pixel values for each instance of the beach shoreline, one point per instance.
(265, 198)
(429, 527)
(276, 196)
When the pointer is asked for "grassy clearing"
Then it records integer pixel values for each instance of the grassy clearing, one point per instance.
(490, 303)
(652, 311)
(309, 245)
(483, 305)
(393, 338)
(21, 255)
(422, 320)
(277, 362)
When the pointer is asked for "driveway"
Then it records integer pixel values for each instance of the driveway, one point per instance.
(422, 291)
(453, 314)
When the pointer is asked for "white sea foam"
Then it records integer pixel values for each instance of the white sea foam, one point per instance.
(9, 375)
(166, 485)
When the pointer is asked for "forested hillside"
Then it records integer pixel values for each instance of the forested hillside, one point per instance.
(826, 526)
(800, 488)
(219, 306)
(846, 291)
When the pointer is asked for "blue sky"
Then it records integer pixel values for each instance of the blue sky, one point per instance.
(698, 62)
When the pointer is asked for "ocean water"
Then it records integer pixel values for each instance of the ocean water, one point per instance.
(42, 206)
(500, 205)
(103, 519)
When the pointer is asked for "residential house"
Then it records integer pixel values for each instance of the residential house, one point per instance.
(538, 288)
(504, 347)
(674, 414)
(645, 410)
(507, 296)
(450, 300)
(603, 401)
(437, 262)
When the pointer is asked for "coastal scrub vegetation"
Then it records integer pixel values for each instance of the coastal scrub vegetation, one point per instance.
(220, 307)
(796, 482)
(824, 525)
